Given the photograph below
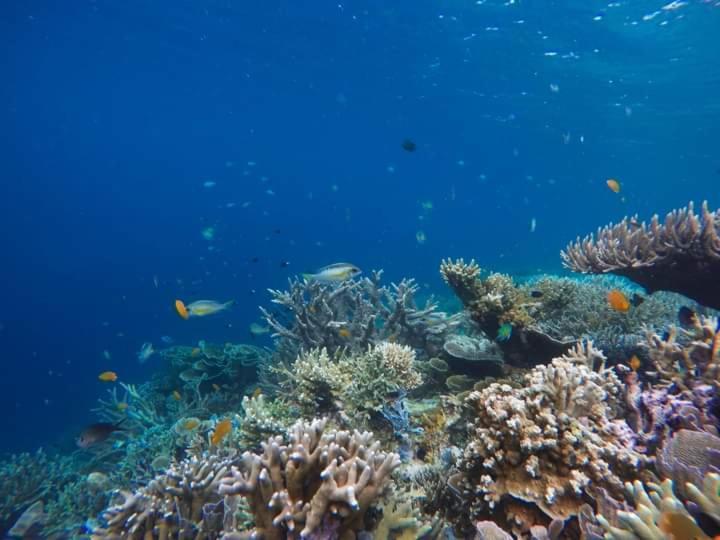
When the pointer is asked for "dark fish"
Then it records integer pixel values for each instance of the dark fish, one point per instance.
(686, 316)
(284, 264)
(254, 259)
(276, 231)
(96, 433)
(637, 299)
(536, 294)
(409, 146)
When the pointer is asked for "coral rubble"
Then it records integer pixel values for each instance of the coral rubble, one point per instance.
(681, 254)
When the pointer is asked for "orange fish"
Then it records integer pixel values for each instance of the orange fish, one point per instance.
(715, 348)
(618, 301)
(222, 429)
(181, 309)
(108, 376)
(176, 395)
(191, 424)
(614, 185)
(344, 332)
(634, 362)
(678, 526)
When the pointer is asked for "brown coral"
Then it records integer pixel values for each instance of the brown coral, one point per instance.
(545, 443)
(319, 481)
(681, 255)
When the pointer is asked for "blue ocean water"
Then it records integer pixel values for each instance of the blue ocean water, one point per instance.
(128, 128)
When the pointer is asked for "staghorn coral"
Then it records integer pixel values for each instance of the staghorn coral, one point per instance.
(545, 443)
(353, 315)
(321, 482)
(681, 255)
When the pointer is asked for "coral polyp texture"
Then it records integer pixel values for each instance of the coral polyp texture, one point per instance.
(545, 443)
(680, 254)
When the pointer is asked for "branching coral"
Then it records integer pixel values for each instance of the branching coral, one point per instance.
(171, 505)
(354, 314)
(682, 254)
(262, 418)
(546, 442)
(24, 479)
(321, 481)
(659, 515)
(360, 382)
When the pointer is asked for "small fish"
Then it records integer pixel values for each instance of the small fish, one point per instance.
(536, 294)
(334, 273)
(145, 352)
(167, 340)
(208, 233)
(255, 259)
(121, 406)
(618, 301)
(257, 392)
(222, 429)
(284, 264)
(420, 237)
(408, 145)
(614, 185)
(277, 231)
(201, 308)
(108, 376)
(504, 332)
(106, 354)
(258, 330)
(634, 362)
(191, 424)
(715, 348)
(216, 387)
(97, 433)
(176, 395)
(637, 299)
(344, 332)
(686, 317)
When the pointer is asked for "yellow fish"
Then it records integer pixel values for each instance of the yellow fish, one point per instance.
(334, 273)
(122, 406)
(614, 185)
(176, 395)
(634, 362)
(344, 332)
(200, 308)
(108, 376)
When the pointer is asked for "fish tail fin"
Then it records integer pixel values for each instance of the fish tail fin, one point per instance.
(229, 303)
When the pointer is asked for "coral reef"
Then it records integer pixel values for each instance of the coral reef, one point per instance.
(321, 481)
(361, 382)
(496, 302)
(545, 443)
(681, 254)
(353, 315)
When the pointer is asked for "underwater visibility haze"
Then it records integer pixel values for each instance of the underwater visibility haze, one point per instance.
(228, 221)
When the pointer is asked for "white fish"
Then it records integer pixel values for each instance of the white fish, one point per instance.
(258, 330)
(533, 225)
(202, 308)
(334, 273)
(145, 352)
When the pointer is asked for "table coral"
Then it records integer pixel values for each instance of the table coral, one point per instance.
(681, 254)
(545, 443)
